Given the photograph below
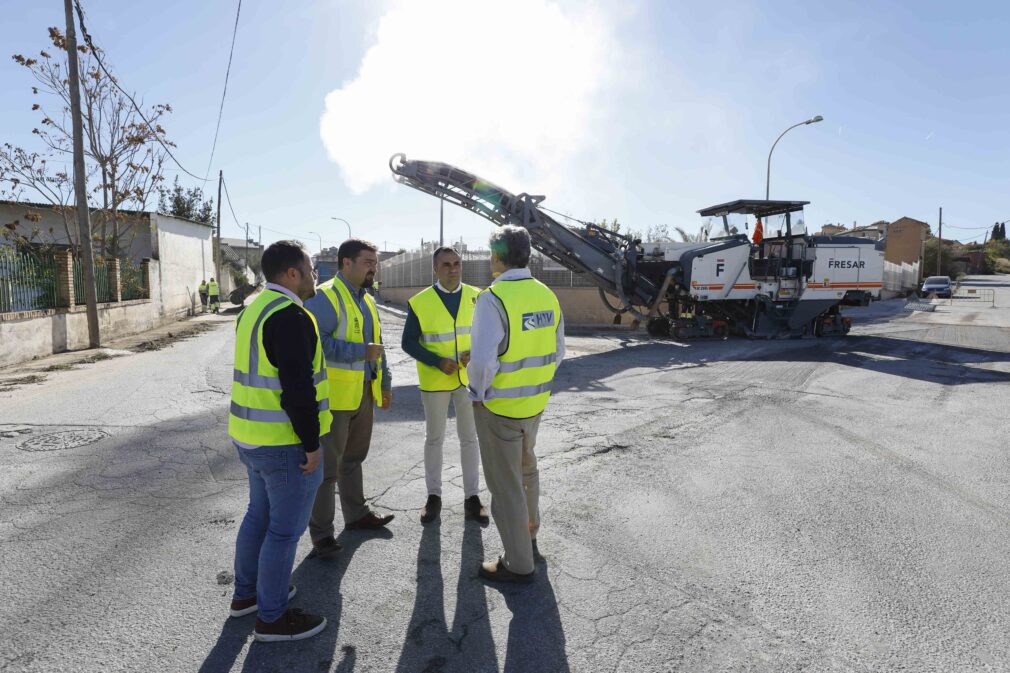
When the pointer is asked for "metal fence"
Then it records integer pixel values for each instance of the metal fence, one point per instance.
(27, 281)
(131, 281)
(102, 284)
(414, 269)
(984, 295)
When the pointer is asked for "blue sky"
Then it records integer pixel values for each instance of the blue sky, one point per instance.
(644, 111)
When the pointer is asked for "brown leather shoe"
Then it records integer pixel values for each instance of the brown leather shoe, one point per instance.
(432, 508)
(370, 522)
(473, 509)
(497, 572)
(325, 548)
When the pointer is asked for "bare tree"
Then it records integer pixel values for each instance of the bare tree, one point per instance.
(22, 171)
(126, 151)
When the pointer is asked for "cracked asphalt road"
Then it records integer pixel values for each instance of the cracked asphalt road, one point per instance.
(813, 505)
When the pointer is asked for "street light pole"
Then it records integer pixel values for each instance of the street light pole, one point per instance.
(349, 235)
(768, 176)
(320, 242)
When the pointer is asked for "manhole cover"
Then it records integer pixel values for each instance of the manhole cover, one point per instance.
(65, 439)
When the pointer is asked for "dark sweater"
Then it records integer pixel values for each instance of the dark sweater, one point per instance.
(289, 339)
(411, 341)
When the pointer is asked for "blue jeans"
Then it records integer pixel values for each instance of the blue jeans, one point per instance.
(280, 500)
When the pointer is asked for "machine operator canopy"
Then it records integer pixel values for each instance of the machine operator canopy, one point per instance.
(776, 216)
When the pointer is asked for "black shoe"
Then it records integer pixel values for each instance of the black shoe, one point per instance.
(536, 553)
(240, 607)
(293, 625)
(474, 510)
(370, 522)
(325, 548)
(497, 572)
(432, 508)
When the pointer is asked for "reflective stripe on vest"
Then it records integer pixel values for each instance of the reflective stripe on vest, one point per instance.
(443, 335)
(347, 379)
(255, 416)
(522, 385)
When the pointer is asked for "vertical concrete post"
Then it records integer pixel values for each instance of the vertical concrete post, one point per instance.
(65, 278)
(115, 280)
(145, 276)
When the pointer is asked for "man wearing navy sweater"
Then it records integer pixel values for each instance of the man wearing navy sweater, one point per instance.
(437, 336)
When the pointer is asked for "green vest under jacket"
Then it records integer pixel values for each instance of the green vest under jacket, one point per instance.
(522, 385)
(347, 380)
(443, 335)
(256, 416)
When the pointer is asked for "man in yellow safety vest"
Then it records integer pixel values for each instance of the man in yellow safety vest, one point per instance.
(279, 410)
(437, 335)
(202, 291)
(356, 369)
(213, 295)
(518, 341)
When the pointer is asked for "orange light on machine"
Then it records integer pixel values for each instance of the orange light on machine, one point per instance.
(759, 232)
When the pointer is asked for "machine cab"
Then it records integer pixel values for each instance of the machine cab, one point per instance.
(779, 249)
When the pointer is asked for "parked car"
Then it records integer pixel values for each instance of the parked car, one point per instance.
(941, 286)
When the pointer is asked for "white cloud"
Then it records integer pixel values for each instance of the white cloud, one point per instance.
(509, 89)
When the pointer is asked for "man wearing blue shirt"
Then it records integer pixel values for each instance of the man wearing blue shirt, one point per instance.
(358, 378)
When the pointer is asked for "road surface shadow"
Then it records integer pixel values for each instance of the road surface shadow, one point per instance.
(318, 583)
(536, 639)
(430, 645)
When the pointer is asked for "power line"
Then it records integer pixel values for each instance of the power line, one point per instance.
(951, 226)
(227, 72)
(228, 199)
(94, 51)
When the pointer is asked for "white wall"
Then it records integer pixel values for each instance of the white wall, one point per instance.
(53, 229)
(185, 252)
(182, 257)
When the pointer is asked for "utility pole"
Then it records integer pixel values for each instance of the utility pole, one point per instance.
(939, 248)
(81, 196)
(217, 257)
(441, 222)
(247, 245)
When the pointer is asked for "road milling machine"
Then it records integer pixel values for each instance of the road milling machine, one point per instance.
(787, 285)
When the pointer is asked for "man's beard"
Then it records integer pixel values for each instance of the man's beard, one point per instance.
(369, 280)
(308, 292)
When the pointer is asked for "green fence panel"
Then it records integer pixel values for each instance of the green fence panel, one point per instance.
(27, 281)
(103, 287)
(131, 280)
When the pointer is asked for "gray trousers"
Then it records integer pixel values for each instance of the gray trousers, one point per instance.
(510, 471)
(344, 449)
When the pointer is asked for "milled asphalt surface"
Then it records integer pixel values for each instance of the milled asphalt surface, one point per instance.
(812, 505)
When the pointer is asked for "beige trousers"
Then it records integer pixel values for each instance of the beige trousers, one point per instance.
(510, 471)
(344, 449)
(436, 411)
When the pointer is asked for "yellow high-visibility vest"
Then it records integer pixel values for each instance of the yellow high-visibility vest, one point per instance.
(443, 335)
(347, 380)
(256, 416)
(203, 287)
(212, 288)
(522, 386)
